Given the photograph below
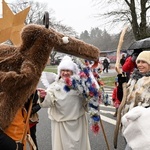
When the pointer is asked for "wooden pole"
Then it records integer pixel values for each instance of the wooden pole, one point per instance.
(117, 67)
(27, 121)
(27, 124)
(104, 133)
(123, 102)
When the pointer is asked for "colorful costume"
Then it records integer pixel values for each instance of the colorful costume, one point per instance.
(67, 111)
(68, 118)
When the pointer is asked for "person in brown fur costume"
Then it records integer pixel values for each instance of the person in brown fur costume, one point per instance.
(21, 67)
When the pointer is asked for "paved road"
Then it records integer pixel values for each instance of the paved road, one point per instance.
(97, 141)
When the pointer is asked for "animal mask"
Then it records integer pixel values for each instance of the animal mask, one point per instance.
(21, 67)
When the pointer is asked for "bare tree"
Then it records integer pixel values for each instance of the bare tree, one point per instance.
(133, 12)
(36, 14)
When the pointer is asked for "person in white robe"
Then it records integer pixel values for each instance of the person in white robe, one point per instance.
(67, 111)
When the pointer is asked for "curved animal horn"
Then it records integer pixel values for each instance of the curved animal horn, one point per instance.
(46, 19)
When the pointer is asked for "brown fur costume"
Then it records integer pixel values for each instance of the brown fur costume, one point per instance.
(21, 67)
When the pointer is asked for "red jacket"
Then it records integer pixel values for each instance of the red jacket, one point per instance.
(129, 65)
(116, 101)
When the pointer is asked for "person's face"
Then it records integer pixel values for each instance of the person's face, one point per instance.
(65, 73)
(143, 66)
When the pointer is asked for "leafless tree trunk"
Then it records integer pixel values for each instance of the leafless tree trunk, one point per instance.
(133, 12)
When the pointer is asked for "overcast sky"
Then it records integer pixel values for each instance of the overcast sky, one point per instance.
(79, 14)
(75, 13)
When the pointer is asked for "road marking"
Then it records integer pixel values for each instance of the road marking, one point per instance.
(109, 120)
(107, 112)
(109, 106)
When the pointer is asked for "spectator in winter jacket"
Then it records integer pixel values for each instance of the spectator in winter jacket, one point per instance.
(137, 95)
(106, 63)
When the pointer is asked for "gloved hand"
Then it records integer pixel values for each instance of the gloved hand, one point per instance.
(35, 97)
(121, 79)
(135, 129)
(7, 143)
(35, 108)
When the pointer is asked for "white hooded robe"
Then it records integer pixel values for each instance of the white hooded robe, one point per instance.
(69, 123)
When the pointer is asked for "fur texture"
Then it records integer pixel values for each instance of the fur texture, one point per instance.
(138, 91)
(21, 67)
(135, 129)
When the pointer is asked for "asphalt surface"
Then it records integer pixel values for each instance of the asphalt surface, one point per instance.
(111, 72)
(97, 141)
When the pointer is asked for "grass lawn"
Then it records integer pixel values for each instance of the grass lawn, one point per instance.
(51, 69)
(109, 81)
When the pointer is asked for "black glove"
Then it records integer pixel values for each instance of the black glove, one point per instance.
(19, 146)
(121, 79)
(119, 93)
(7, 143)
(35, 108)
(35, 97)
